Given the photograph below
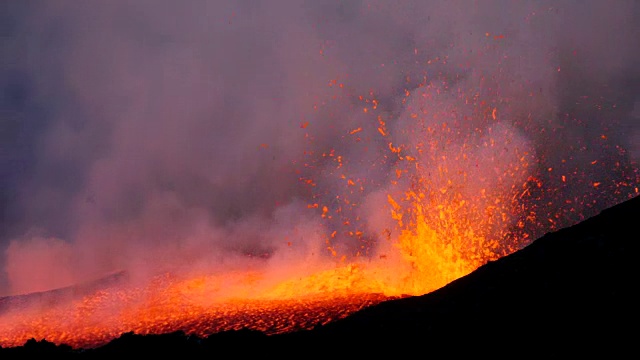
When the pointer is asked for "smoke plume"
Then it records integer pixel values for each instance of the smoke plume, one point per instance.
(214, 135)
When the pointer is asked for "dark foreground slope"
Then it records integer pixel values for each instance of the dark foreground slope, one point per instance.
(569, 293)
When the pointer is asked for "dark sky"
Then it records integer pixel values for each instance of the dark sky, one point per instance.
(151, 133)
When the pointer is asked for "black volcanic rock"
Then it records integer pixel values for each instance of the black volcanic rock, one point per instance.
(37, 348)
(570, 293)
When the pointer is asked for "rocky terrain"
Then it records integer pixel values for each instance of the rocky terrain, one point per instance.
(569, 293)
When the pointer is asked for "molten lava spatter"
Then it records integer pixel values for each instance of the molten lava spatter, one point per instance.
(165, 305)
(457, 193)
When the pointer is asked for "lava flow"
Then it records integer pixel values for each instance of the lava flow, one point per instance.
(165, 305)
(457, 197)
(240, 177)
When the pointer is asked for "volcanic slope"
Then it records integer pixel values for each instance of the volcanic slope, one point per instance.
(569, 293)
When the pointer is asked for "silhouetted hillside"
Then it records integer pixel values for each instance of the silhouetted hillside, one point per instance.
(569, 293)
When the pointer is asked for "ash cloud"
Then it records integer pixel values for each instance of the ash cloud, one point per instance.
(152, 134)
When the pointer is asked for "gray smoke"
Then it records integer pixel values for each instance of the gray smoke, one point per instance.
(153, 135)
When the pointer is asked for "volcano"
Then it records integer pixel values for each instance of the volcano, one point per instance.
(318, 178)
(568, 293)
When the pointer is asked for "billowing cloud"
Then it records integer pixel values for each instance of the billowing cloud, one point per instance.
(156, 135)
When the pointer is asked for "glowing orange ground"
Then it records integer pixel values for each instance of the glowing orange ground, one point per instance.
(455, 205)
(90, 318)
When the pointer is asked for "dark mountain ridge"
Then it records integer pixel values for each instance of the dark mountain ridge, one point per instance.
(569, 293)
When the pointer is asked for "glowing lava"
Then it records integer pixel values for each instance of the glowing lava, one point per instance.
(169, 304)
(459, 195)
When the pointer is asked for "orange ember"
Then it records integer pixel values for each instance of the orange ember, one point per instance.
(458, 194)
(169, 304)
